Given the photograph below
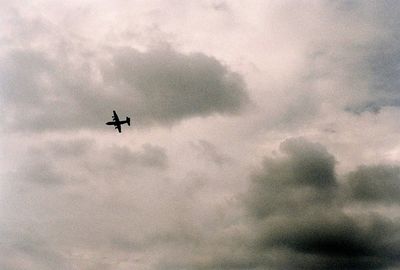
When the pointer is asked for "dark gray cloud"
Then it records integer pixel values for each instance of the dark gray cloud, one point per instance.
(306, 173)
(380, 183)
(297, 208)
(167, 86)
(330, 240)
(294, 218)
(45, 92)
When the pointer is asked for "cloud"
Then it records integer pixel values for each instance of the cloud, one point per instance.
(305, 174)
(356, 66)
(145, 200)
(330, 240)
(210, 152)
(68, 196)
(30, 253)
(63, 162)
(166, 86)
(297, 208)
(151, 156)
(68, 148)
(374, 184)
(40, 172)
(292, 216)
(157, 87)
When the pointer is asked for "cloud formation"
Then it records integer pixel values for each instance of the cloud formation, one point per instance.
(166, 86)
(359, 63)
(199, 194)
(376, 184)
(210, 152)
(157, 87)
(298, 208)
(296, 214)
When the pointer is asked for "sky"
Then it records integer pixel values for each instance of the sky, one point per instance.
(264, 135)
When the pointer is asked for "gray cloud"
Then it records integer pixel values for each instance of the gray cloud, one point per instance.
(67, 161)
(82, 202)
(40, 172)
(294, 218)
(210, 152)
(156, 87)
(69, 148)
(305, 174)
(297, 206)
(167, 86)
(30, 253)
(330, 240)
(363, 66)
(68, 197)
(379, 183)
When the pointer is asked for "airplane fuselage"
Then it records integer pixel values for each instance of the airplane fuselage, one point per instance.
(117, 123)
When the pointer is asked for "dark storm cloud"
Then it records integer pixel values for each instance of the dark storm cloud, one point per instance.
(305, 174)
(297, 213)
(295, 218)
(327, 239)
(43, 92)
(311, 164)
(375, 184)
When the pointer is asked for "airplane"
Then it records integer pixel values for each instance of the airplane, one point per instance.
(117, 123)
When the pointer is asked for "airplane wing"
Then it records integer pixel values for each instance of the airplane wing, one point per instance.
(115, 116)
(118, 126)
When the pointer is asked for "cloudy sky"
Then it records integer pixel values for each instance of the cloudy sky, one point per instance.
(264, 135)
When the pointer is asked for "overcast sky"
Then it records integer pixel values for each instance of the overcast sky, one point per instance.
(264, 135)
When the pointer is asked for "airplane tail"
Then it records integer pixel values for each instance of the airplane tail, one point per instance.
(128, 121)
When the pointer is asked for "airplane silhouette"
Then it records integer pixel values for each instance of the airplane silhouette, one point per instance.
(117, 123)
